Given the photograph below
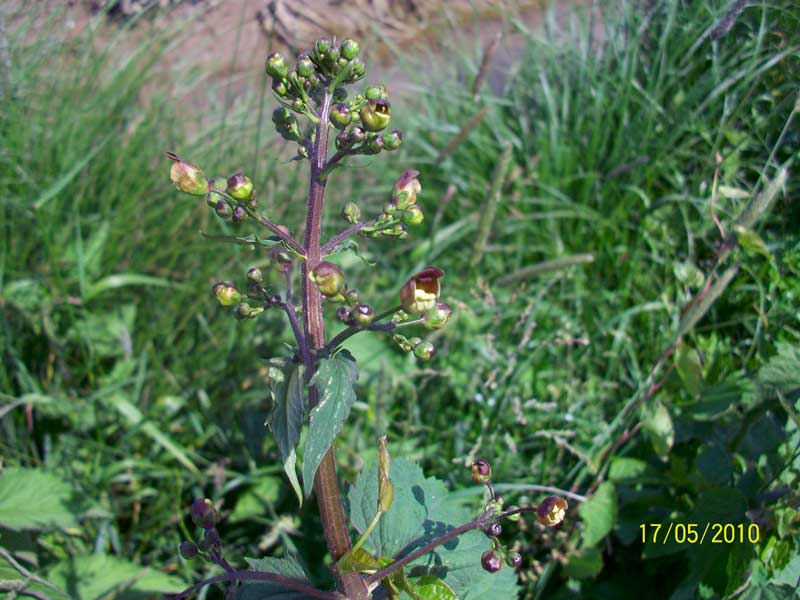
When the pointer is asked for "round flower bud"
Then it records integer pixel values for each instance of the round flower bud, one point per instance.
(322, 45)
(438, 316)
(244, 311)
(279, 87)
(352, 297)
(351, 212)
(393, 139)
(343, 140)
(304, 67)
(551, 511)
(514, 559)
(223, 209)
(226, 293)
(491, 562)
(276, 66)
(481, 471)
(349, 48)
(329, 279)
(187, 177)
(413, 215)
(282, 115)
(405, 190)
(339, 95)
(255, 275)
(239, 215)
(375, 115)
(341, 116)
(344, 314)
(363, 314)
(203, 513)
(281, 259)
(213, 198)
(374, 144)
(188, 550)
(424, 350)
(421, 291)
(494, 530)
(375, 92)
(357, 135)
(357, 71)
(240, 186)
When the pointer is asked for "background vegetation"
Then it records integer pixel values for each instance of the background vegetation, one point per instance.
(611, 339)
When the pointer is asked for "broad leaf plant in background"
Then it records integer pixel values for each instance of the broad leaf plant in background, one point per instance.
(414, 541)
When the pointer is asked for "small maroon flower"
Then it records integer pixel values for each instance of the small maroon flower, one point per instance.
(551, 511)
(203, 513)
(329, 279)
(481, 471)
(421, 292)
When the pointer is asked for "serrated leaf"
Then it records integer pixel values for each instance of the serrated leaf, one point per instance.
(288, 414)
(334, 381)
(657, 422)
(790, 574)
(34, 499)
(624, 468)
(599, 514)
(423, 509)
(98, 575)
(289, 566)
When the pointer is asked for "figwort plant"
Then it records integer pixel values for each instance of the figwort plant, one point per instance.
(313, 388)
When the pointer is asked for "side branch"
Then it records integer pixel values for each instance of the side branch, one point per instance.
(289, 582)
(484, 519)
(331, 244)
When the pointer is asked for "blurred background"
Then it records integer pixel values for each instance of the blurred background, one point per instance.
(630, 334)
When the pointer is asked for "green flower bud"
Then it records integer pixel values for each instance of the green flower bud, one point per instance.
(374, 144)
(322, 45)
(223, 209)
(239, 215)
(481, 471)
(187, 177)
(515, 517)
(255, 275)
(375, 92)
(393, 139)
(281, 259)
(279, 87)
(344, 314)
(363, 314)
(425, 350)
(245, 311)
(332, 55)
(405, 190)
(302, 151)
(282, 115)
(375, 115)
(413, 215)
(240, 186)
(339, 94)
(357, 135)
(421, 291)
(349, 49)
(276, 66)
(551, 511)
(438, 316)
(351, 212)
(304, 67)
(220, 183)
(213, 198)
(357, 70)
(341, 116)
(329, 279)
(352, 297)
(226, 293)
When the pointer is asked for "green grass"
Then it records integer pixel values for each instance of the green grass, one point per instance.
(146, 395)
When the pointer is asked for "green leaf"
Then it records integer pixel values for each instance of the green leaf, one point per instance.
(98, 575)
(422, 510)
(690, 369)
(657, 422)
(288, 414)
(34, 499)
(289, 566)
(113, 282)
(251, 240)
(624, 468)
(432, 588)
(790, 574)
(599, 514)
(252, 502)
(586, 563)
(752, 242)
(9, 573)
(782, 371)
(334, 381)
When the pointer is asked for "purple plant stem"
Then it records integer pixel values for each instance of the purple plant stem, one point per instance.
(289, 582)
(326, 483)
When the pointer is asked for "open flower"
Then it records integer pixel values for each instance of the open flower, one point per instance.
(551, 511)
(421, 292)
